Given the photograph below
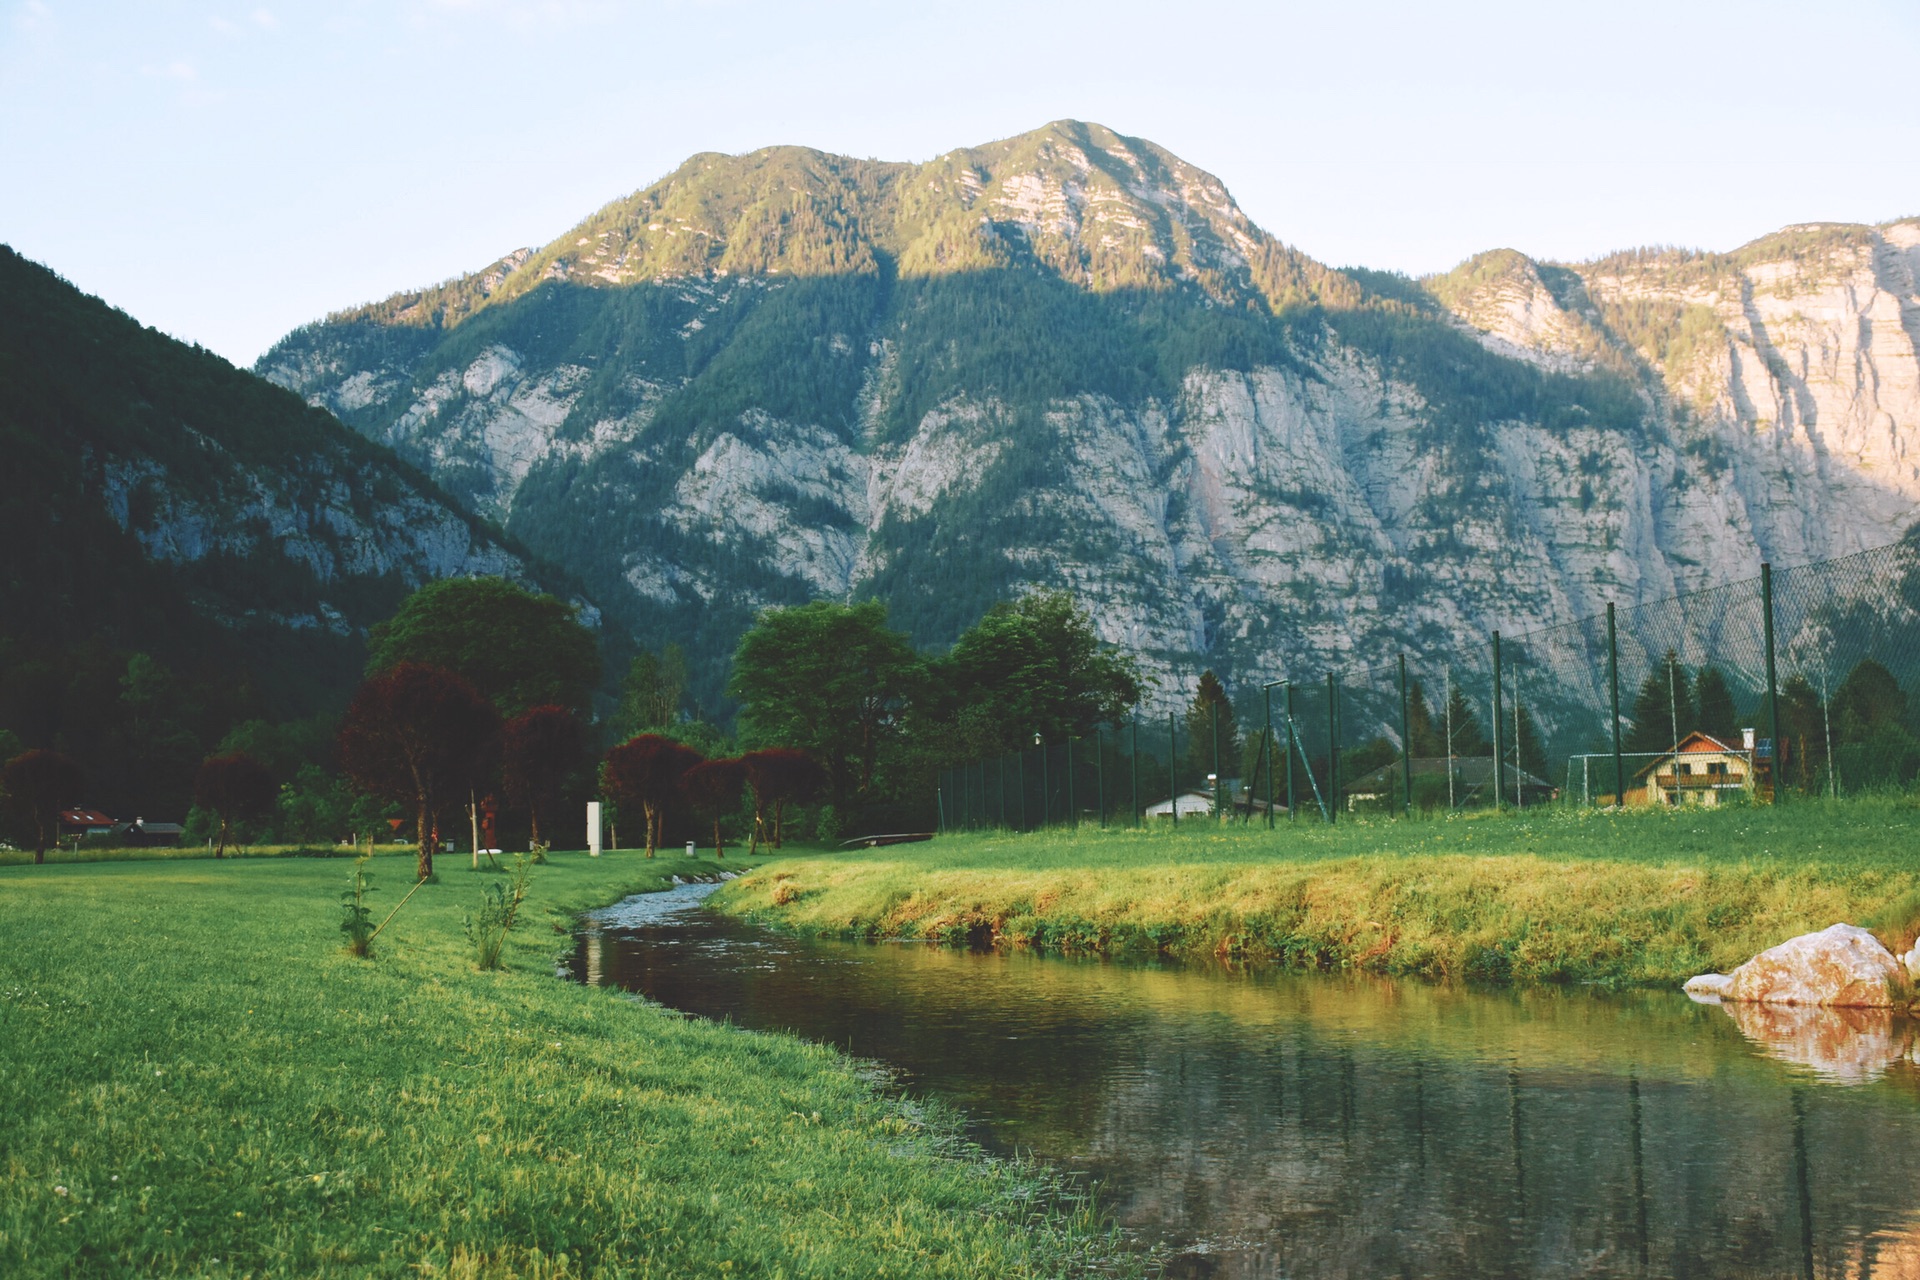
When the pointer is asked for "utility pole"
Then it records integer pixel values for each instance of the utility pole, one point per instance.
(1773, 690)
(1333, 750)
(1406, 738)
(1499, 801)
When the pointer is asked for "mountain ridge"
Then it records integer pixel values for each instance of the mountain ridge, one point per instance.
(1069, 359)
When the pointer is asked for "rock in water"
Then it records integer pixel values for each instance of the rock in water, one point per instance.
(1708, 986)
(1842, 965)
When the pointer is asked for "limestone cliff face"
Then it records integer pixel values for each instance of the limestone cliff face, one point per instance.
(682, 404)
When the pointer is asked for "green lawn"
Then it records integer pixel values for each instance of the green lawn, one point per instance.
(1645, 897)
(195, 1080)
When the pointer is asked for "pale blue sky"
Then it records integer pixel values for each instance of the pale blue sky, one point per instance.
(227, 171)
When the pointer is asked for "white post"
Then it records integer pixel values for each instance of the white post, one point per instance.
(593, 828)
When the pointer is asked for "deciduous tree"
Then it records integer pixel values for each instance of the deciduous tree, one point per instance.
(236, 788)
(778, 777)
(519, 649)
(1033, 666)
(539, 751)
(643, 775)
(421, 736)
(713, 788)
(38, 785)
(831, 680)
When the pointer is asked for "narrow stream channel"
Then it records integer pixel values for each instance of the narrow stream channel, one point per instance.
(1266, 1124)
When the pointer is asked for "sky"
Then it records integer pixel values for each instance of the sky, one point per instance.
(228, 171)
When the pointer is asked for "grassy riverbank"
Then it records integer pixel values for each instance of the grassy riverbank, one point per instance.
(198, 1081)
(1637, 898)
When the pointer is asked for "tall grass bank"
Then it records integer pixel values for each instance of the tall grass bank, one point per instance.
(1622, 899)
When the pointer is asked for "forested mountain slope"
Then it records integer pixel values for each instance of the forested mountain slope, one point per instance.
(160, 501)
(1069, 359)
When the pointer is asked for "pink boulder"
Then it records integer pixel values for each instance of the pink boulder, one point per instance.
(1842, 966)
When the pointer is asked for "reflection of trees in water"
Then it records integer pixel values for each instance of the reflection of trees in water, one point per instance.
(1324, 1127)
(1302, 1158)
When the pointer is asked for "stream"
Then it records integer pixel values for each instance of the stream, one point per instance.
(1257, 1123)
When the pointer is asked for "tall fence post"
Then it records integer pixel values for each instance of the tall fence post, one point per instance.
(1173, 771)
(1293, 812)
(1218, 781)
(1266, 745)
(1333, 749)
(1073, 808)
(1003, 792)
(1046, 784)
(1773, 690)
(940, 807)
(1026, 818)
(1613, 688)
(1100, 772)
(1136, 818)
(1406, 738)
(1499, 774)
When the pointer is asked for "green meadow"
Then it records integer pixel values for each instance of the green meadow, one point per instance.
(1635, 898)
(199, 1081)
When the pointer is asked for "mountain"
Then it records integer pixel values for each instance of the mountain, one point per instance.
(160, 501)
(1069, 359)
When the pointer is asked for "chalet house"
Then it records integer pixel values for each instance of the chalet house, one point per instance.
(1703, 771)
(79, 823)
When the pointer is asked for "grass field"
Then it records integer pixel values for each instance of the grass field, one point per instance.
(195, 1080)
(1645, 897)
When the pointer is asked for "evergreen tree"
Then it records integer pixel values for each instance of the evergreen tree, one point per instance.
(1663, 709)
(1714, 711)
(651, 693)
(1209, 697)
(1459, 721)
(1426, 736)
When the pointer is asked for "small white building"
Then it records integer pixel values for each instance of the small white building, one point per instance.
(1193, 804)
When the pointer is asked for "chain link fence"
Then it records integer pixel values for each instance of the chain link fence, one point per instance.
(1797, 683)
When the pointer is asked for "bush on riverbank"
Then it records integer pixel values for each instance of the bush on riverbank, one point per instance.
(1645, 897)
(200, 1081)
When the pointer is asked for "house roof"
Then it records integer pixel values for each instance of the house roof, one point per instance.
(85, 818)
(1694, 744)
(156, 828)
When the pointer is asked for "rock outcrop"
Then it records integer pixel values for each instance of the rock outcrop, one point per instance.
(1069, 360)
(1841, 966)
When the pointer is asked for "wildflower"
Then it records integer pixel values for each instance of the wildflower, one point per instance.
(59, 1191)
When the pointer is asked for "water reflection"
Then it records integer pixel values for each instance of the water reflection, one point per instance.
(1269, 1125)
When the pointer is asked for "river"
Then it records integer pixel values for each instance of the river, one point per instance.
(1271, 1124)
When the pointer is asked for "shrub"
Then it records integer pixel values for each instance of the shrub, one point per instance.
(487, 929)
(357, 920)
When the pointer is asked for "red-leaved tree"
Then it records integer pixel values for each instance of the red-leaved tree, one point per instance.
(39, 784)
(644, 773)
(420, 736)
(539, 751)
(778, 777)
(234, 787)
(713, 788)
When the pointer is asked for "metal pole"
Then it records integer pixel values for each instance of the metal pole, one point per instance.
(1047, 787)
(1406, 737)
(1499, 776)
(1293, 812)
(1266, 745)
(940, 806)
(1135, 817)
(1218, 781)
(1773, 690)
(1333, 750)
(1100, 773)
(1025, 822)
(1073, 810)
(1613, 687)
(1173, 745)
(1003, 792)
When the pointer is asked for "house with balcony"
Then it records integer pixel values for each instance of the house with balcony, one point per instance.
(1703, 770)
